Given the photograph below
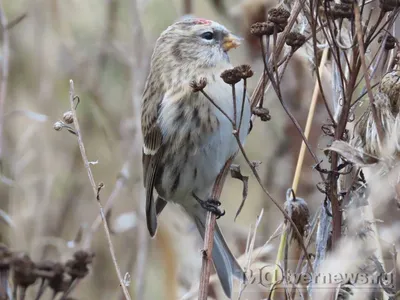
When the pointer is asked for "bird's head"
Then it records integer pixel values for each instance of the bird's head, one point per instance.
(196, 43)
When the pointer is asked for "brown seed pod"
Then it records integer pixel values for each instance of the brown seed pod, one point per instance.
(295, 40)
(342, 11)
(244, 71)
(198, 86)
(78, 266)
(297, 208)
(23, 271)
(390, 42)
(68, 117)
(231, 76)
(278, 16)
(58, 126)
(262, 113)
(262, 28)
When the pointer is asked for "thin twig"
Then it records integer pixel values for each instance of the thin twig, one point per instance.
(4, 72)
(366, 76)
(299, 165)
(209, 233)
(95, 188)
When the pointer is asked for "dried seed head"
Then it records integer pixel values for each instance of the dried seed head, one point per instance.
(278, 16)
(342, 11)
(262, 113)
(244, 71)
(390, 42)
(199, 85)
(56, 280)
(390, 85)
(295, 40)
(231, 76)
(262, 28)
(388, 5)
(78, 266)
(297, 208)
(23, 271)
(58, 126)
(68, 117)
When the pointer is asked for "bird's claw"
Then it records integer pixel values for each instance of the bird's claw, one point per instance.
(211, 205)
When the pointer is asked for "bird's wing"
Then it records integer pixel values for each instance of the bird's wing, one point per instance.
(152, 137)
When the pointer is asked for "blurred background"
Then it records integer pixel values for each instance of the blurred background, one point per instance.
(48, 208)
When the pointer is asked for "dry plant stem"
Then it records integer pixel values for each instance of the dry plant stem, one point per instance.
(287, 217)
(366, 76)
(310, 118)
(4, 73)
(94, 187)
(286, 109)
(257, 176)
(258, 93)
(137, 72)
(209, 233)
(299, 167)
(243, 99)
(120, 183)
(234, 106)
(313, 25)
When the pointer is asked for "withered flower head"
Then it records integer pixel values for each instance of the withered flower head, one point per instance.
(56, 280)
(262, 28)
(23, 271)
(231, 76)
(388, 5)
(78, 266)
(295, 40)
(198, 86)
(390, 42)
(278, 16)
(297, 208)
(262, 113)
(244, 71)
(58, 126)
(342, 11)
(68, 117)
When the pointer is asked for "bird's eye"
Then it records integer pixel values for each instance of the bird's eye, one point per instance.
(207, 35)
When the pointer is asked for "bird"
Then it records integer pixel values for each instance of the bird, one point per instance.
(187, 140)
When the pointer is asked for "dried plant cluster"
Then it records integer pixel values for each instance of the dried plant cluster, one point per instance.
(352, 55)
(60, 278)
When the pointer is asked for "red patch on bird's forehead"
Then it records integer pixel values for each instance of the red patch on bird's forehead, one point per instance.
(202, 22)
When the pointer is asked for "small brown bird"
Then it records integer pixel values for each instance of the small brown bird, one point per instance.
(187, 140)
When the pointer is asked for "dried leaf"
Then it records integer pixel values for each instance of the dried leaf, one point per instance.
(352, 154)
(237, 174)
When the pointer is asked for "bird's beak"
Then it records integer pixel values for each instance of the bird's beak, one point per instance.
(230, 41)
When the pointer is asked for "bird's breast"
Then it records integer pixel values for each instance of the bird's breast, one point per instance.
(197, 140)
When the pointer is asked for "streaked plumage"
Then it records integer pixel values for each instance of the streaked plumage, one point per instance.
(187, 141)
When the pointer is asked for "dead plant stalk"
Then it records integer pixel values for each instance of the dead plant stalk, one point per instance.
(96, 189)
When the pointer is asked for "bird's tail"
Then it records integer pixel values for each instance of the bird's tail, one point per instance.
(224, 261)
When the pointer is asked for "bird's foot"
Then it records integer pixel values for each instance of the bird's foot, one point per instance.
(211, 205)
